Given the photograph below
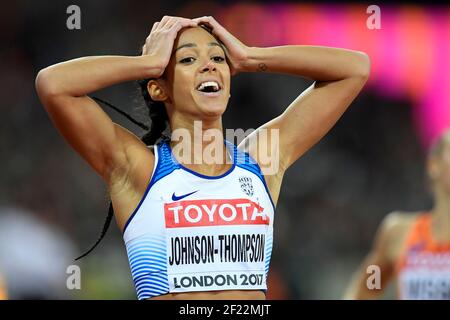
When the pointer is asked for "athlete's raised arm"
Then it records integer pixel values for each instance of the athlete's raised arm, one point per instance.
(339, 76)
(63, 90)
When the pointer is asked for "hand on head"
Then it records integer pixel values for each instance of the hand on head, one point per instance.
(236, 51)
(160, 41)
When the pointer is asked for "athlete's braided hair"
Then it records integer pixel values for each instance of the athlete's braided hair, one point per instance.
(159, 122)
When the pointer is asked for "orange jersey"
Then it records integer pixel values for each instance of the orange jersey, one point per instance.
(424, 266)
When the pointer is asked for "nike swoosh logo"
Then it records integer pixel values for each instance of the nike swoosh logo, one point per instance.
(176, 198)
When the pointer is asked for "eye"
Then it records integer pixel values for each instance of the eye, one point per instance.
(187, 60)
(219, 59)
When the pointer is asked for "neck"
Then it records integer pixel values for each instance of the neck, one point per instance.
(441, 217)
(198, 144)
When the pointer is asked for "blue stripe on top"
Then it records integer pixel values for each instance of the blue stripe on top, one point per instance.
(148, 263)
(166, 165)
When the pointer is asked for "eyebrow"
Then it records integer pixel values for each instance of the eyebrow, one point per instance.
(192, 45)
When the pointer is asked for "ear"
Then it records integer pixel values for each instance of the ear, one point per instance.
(156, 91)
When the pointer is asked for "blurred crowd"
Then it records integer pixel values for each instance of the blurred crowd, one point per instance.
(52, 205)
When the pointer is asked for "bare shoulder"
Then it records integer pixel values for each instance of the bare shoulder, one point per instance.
(398, 221)
(139, 158)
(128, 182)
(394, 230)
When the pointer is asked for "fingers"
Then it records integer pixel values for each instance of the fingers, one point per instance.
(180, 24)
(164, 21)
(207, 20)
(204, 19)
(155, 25)
(175, 24)
(168, 22)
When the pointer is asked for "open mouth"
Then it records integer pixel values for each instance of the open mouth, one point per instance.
(210, 88)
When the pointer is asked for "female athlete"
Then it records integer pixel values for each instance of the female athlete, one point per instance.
(197, 215)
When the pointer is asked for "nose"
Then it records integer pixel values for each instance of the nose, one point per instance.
(209, 66)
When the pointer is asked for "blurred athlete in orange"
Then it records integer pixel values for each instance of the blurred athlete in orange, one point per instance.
(414, 247)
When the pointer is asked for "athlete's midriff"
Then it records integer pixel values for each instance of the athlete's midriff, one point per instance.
(214, 295)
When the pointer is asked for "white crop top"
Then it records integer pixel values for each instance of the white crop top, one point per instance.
(192, 232)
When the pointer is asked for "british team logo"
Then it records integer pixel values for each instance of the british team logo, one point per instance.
(246, 185)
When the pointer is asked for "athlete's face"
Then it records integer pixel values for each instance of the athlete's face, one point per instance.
(198, 59)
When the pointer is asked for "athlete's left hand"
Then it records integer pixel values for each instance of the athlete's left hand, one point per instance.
(237, 52)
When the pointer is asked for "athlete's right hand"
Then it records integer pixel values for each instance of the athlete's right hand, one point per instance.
(160, 41)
